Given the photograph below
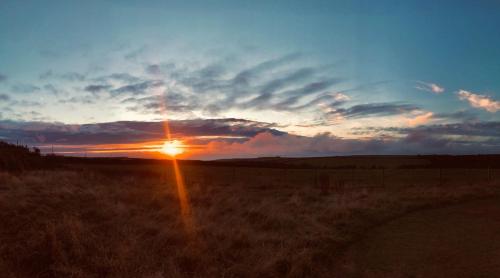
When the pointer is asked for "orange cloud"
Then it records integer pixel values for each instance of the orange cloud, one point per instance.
(420, 119)
(480, 101)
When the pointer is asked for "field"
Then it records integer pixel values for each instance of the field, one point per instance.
(134, 218)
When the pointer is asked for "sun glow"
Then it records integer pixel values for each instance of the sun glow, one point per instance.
(172, 148)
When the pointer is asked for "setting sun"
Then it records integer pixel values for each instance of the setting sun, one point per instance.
(172, 148)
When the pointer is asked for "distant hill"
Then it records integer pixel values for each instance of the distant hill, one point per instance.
(18, 158)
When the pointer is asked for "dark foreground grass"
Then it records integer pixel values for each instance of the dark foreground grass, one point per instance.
(88, 223)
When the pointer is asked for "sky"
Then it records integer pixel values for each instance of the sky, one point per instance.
(251, 78)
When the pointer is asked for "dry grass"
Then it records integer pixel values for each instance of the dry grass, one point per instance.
(90, 224)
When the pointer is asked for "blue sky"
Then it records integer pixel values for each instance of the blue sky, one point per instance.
(357, 71)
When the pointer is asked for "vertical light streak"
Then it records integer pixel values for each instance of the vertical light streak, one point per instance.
(182, 193)
(183, 198)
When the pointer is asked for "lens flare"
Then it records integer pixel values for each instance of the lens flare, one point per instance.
(172, 148)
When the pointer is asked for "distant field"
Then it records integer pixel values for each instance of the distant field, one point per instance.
(124, 218)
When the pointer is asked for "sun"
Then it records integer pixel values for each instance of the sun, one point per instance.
(172, 148)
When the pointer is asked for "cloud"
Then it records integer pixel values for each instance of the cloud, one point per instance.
(96, 88)
(79, 99)
(130, 132)
(3, 78)
(429, 87)
(374, 109)
(153, 69)
(46, 74)
(466, 129)
(4, 98)
(274, 84)
(138, 88)
(244, 77)
(461, 115)
(73, 76)
(479, 101)
(219, 138)
(420, 119)
(326, 144)
(51, 88)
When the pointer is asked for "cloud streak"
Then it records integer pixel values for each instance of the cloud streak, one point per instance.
(374, 109)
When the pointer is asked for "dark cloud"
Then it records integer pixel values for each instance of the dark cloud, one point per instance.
(482, 129)
(294, 96)
(329, 99)
(268, 90)
(237, 137)
(96, 88)
(68, 76)
(273, 84)
(25, 103)
(51, 88)
(163, 68)
(464, 115)
(81, 100)
(160, 104)
(129, 132)
(138, 88)
(153, 69)
(245, 77)
(375, 109)
(46, 74)
(4, 97)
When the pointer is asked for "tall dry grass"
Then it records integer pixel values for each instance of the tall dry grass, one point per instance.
(95, 224)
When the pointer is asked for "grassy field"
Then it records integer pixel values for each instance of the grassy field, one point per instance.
(117, 219)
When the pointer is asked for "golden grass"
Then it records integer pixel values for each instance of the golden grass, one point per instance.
(261, 223)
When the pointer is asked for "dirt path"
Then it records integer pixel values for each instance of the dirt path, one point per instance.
(456, 241)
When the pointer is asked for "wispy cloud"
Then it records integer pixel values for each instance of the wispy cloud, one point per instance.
(375, 109)
(480, 101)
(138, 88)
(429, 87)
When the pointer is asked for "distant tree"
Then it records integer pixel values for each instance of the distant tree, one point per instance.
(36, 150)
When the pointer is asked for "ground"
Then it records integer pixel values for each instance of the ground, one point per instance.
(461, 240)
(121, 218)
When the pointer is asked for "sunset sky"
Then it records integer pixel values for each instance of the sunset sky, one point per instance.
(251, 78)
